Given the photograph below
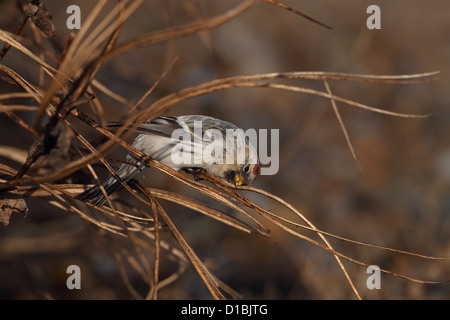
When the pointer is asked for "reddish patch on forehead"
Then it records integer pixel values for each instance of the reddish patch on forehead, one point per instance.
(256, 169)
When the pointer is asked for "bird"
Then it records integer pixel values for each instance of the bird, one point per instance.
(192, 143)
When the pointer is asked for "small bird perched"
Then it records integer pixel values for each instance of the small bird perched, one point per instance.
(192, 143)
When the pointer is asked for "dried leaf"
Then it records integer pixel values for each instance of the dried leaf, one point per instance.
(58, 156)
(8, 206)
(41, 17)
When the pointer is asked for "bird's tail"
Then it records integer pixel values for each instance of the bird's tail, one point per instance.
(95, 195)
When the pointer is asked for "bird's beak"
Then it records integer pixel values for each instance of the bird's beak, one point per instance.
(238, 179)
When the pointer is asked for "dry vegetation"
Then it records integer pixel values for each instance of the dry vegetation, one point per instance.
(59, 92)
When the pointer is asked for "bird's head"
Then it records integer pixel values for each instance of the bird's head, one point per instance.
(243, 175)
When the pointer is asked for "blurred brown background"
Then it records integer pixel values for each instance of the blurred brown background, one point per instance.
(400, 199)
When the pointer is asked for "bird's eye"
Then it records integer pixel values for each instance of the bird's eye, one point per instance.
(246, 168)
